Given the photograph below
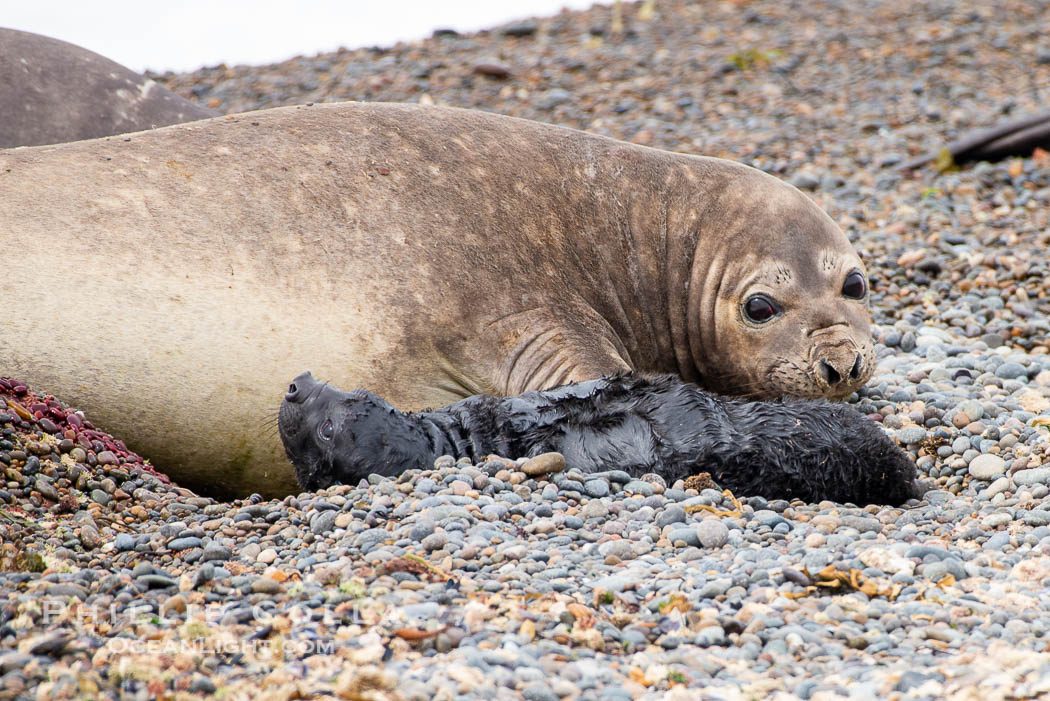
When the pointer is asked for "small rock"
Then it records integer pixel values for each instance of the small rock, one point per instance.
(89, 537)
(805, 181)
(712, 533)
(156, 581)
(888, 561)
(202, 685)
(492, 68)
(671, 514)
(216, 552)
(46, 643)
(46, 489)
(596, 489)
(618, 582)
(538, 692)
(107, 458)
(911, 435)
(595, 508)
(435, 541)
(522, 28)
(124, 542)
(1037, 518)
(550, 99)
(1039, 475)
(184, 543)
(322, 522)
(689, 536)
(1010, 371)
(987, 467)
(265, 585)
(544, 464)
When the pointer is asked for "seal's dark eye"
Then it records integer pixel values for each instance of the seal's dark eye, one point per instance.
(326, 430)
(855, 286)
(760, 309)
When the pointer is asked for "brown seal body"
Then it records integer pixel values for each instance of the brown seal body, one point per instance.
(53, 91)
(424, 254)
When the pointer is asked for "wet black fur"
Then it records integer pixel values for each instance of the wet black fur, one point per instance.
(810, 450)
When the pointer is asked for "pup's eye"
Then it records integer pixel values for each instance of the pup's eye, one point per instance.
(855, 286)
(326, 430)
(760, 309)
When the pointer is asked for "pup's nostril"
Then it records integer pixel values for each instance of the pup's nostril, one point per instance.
(858, 368)
(301, 387)
(830, 374)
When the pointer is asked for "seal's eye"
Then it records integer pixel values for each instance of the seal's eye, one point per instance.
(855, 286)
(326, 430)
(760, 309)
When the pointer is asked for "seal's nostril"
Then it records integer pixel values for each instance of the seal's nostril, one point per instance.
(830, 374)
(301, 387)
(858, 368)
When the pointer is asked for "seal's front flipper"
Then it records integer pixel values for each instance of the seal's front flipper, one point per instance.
(547, 347)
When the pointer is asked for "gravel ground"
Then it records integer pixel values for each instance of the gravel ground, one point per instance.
(527, 580)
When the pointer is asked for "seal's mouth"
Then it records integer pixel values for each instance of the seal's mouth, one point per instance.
(839, 367)
(833, 371)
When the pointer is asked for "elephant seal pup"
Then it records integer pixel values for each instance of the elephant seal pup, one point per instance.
(425, 254)
(790, 449)
(54, 91)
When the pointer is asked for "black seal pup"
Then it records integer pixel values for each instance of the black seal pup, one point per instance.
(785, 449)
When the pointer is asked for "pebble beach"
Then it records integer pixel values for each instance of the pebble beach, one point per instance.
(525, 579)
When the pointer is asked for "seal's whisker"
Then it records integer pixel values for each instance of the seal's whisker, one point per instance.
(267, 421)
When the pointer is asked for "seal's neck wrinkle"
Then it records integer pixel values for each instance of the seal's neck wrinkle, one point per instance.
(707, 278)
(694, 263)
(646, 264)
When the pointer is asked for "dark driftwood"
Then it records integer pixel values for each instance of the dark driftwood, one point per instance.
(1015, 138)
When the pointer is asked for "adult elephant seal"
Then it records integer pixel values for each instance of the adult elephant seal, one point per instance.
(424, 254)
(53, 91)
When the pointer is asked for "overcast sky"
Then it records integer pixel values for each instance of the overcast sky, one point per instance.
(182, 35)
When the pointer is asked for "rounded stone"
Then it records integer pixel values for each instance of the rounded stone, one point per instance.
(712, 533)
(911, 435)
(435, 541)
(987, 467)
(596, 488)
(1039, 475)
(544, 464)
(671, 514)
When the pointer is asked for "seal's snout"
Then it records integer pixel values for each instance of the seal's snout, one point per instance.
(300, 388)
(838, 371)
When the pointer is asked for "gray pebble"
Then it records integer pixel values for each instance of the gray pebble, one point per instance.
(184, 543)
(712, 533)
(911, 435)
(435, 541)
(687, 535)
(987, 467)
(596, 488)
(671, 514)
(214, 553)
